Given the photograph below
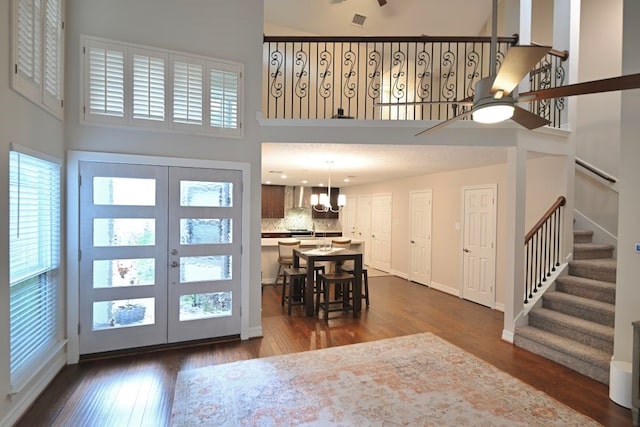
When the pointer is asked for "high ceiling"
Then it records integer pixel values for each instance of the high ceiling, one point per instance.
(371, 163)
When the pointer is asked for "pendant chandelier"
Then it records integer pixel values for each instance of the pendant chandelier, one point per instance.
(322, 202)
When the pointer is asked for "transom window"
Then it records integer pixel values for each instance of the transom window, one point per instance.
(141, 86)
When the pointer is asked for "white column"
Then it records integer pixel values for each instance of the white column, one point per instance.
(516, 208)
(627, 289)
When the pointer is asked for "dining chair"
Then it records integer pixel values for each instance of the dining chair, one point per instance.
(339, 243)
(285, 255)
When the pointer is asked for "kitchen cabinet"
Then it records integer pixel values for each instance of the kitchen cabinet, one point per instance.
(333, 198)
(273, 201)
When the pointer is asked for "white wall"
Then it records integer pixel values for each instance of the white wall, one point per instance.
(627, 289)
(24, 123)
(597, 127)
(545, 181)
(229, 30)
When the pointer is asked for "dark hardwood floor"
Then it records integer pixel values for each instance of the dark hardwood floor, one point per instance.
(138, 390)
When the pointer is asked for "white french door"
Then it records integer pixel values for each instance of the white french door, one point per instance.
(159, 255)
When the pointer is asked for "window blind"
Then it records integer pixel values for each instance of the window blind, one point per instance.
(29, 42)
(34, 259)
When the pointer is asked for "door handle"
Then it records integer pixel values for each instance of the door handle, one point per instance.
(175, 264)
(174, 252)
(466, 250)
(413, 241)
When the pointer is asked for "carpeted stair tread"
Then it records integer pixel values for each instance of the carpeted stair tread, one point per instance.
(582, 236)
(598, 269)
(578, 329)
(588, 309)
(592, 251)
(588, 361)
(587, 288)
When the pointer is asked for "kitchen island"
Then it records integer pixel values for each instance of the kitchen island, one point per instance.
(270, 254)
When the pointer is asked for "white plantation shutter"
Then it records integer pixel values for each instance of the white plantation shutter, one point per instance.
(105, 81)
(53, 57)
(38, 52)
(148, 85)
(28, 47)
(140, 86)
(188, 83)
(34, 259)
(223, 98)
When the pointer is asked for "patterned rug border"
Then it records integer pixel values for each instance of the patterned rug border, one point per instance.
(288, 389)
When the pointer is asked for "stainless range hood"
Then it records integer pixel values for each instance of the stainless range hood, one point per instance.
(301, 197)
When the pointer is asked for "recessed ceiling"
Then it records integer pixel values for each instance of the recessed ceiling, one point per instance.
(366, 163)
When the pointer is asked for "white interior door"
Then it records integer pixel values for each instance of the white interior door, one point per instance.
(381, 231)
(363, 225)
(348, 217)
(129, 217)
(420, 242)
(479, 236)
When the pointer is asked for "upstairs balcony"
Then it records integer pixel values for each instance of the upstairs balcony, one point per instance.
(347, 77)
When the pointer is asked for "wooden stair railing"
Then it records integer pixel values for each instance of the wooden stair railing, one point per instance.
(542, 248)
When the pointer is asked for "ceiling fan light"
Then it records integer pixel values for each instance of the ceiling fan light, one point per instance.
(494, 113)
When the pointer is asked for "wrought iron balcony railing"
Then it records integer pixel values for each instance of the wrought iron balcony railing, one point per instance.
(346, 77)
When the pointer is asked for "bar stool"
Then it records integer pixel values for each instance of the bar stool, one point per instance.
(339, 243)
(293, 288)
(342, 281)
(365, 282)
(285, 255)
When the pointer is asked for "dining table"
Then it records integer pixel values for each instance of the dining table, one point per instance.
(337, 256)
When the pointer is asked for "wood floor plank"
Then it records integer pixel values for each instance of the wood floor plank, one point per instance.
(137, 390)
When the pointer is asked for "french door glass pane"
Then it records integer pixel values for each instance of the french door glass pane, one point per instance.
(123, 272)
(206, 194)
(124, 191)
(205, 268)
(205, 306)
(123, 313)
(198, 231)
(124, 232)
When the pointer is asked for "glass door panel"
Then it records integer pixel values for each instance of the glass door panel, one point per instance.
(123, 256)
(204, 246)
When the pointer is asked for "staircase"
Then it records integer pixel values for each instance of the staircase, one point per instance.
(574, 324)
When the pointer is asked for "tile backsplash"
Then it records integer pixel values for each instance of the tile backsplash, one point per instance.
(298, 218)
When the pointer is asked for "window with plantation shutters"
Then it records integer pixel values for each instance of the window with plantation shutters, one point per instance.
(148, 85)
(38, 52)
(142, 86)
(187, 91)
(105, 79)
(34, 259)
(223, 98)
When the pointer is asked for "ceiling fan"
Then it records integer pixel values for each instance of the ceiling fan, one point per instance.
(494, 99)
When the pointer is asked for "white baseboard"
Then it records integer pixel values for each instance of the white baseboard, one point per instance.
(507, 336)
(22, 401)
(255, 332)
(444, 288)
(499, 306)
(400, 274)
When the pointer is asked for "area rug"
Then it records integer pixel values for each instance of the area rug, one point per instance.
(416, 380)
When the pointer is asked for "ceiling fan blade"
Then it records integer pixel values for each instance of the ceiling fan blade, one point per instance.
(631, 81)
(445, 123)
(391, 104)
(527, 119)
(517, 63)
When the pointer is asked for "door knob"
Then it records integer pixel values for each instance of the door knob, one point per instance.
(175, 264)
(466, 250)
(174, 252)
(413, 241)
